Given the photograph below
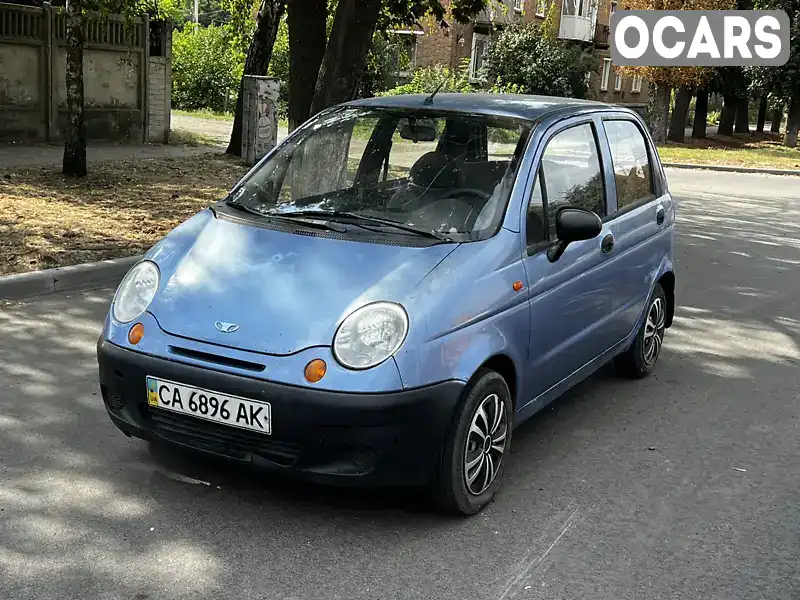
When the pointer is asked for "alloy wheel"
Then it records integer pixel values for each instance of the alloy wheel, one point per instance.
(654, 331)
(485, 444)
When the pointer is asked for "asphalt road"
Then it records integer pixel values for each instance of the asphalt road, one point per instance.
(684, 485)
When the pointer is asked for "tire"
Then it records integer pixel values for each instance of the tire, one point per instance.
(640, 359)
(454, 491)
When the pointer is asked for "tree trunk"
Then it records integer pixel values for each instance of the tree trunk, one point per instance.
(728, 115)
(257, 62)
(762, 114)
(677, 126)
(74, 162)
(658, 111)
(777, 117)
(700, 114)
(792, 123)
(743, 116)
(346, 54)
(307, 40)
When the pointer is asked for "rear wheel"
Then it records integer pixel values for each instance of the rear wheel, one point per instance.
(473, 458)
(640, 359)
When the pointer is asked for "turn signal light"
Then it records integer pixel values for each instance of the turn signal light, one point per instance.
(315, 370)
(136, 334)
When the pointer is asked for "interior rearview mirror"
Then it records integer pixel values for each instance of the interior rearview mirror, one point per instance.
(573, 225)
(418, 131)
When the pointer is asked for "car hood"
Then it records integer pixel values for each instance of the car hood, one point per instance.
(285, 291)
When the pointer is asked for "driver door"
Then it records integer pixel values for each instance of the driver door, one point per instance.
(570, 300)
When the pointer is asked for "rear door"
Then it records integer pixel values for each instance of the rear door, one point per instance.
(641, 217)
(570, 299)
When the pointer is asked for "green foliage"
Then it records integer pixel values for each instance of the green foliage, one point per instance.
(241, 24)
(386, 57)
(713, 117)
(525, 60)
(206, 68)
(427, 79)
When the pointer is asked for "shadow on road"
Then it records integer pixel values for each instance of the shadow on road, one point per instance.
(641, 472)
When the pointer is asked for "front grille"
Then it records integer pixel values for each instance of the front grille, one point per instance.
(114, 400)
(221, 439)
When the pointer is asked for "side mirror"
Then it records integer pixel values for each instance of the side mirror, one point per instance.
(573, 225)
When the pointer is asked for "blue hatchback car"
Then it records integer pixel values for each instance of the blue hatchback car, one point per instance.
(395, 287)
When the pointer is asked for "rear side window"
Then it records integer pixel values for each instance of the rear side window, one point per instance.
(571, 173)
(633, 173)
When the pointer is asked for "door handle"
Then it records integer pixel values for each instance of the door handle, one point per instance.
(607, 244)
(660, 215)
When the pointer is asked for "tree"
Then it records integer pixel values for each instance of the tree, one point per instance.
(784, 81)
(308, 37)
(664, 79)
(762, 114)
(700, 114)
(74, 162)
(522, 58)
(259, 54)
(677, 126)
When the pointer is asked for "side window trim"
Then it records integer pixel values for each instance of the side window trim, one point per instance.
(655, 193)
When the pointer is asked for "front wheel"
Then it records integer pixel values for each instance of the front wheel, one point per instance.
(476, 446)
(640, 359)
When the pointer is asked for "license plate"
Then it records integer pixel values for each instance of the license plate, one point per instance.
(212, 406)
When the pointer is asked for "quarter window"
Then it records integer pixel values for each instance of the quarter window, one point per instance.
(571, 173)
(536, 226)
(633, 173)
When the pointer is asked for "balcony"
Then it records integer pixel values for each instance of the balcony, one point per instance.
(576, 27)
(495, 14)
(601, 35)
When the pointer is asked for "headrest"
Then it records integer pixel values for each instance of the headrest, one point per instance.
(435, 170)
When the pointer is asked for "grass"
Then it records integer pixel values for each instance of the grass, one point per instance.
(121, 209)
(757, 150)
(204, 113)
(184, 137)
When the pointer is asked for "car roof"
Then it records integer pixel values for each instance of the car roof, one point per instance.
(516, 106)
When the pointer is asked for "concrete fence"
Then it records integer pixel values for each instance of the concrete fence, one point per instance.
(126, 87)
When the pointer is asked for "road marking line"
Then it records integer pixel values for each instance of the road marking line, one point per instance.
(526, 571)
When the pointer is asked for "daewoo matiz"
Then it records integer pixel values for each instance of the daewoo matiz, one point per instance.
(395, 287)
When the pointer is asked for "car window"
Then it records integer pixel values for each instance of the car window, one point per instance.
(632, 169)
(446, 172)
(571, 172)
(536, 231)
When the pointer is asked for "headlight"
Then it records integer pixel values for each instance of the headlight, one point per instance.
(136, 291)
(370, 335)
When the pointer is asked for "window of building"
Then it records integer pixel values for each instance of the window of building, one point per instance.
(617, 82)
(480, 46)
(518, 5)
(636, 84)
(632, 170)
(541, 8)
(605, 74)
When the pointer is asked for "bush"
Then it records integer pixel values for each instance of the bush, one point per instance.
(206, 69)
(427, 79)
(713, 117)
(386, 57)
(523, 60)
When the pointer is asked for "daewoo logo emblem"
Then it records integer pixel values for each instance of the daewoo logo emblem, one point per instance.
(226, 327)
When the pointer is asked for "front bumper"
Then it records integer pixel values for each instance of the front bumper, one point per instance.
(363, 439)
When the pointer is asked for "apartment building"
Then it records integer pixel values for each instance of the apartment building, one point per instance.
(583, 21)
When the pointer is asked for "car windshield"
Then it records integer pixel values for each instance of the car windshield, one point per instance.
(448, 175)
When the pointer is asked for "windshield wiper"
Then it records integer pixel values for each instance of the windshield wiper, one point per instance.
(292, 217)
(338, 214)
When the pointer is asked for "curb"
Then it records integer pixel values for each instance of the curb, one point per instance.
(732, 169)
(60, 279)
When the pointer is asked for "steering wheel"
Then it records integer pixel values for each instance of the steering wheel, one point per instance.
(473, 196)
